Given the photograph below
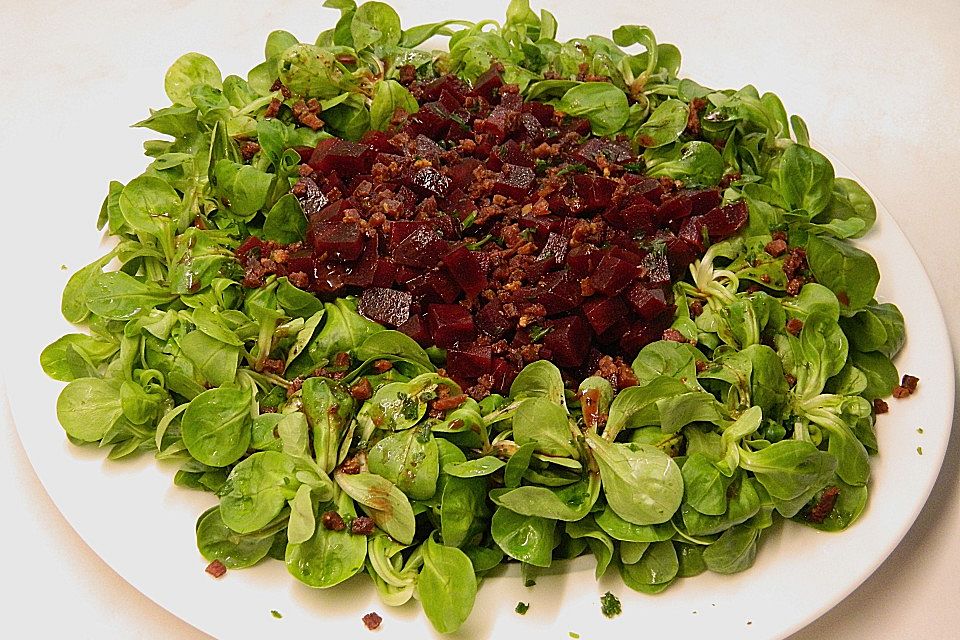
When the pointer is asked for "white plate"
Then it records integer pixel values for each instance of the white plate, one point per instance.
(131, 515)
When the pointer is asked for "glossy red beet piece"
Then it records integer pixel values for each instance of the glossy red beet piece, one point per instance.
(461, 174)
(312, 199)
(541, 111)
(594, 148)
(594, 191)
(300, 261)
(568, 340)
(503, 374)
(512, 153)
(560, 292)
(638, 336)
(339, 239)
(489, 83)
(680, 254)
(514, 181)
(386, 273)
(363, 271)
(450, 85)
(613, 274)
(657, 267)
(450, 324)
(386, 306)
(583, 259)
(434, 286)
(378, 141)
(416, 328)
(648, 188)
(469, 363)
(691, 230)
(429, 182)
(416, 244)
(603, 313)
(492, 320)
(723, 222)
(555, 248)
(342, 156)
(466, 270)
(530, 128)
(647, 303)
(674, 209)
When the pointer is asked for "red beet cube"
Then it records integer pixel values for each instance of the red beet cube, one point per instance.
(583, 259)
(723, 222)
(680, 254)
(469, 363)
(312, 199)
(541, 111)
(638, 336)
(416, 328)
(434, 286)
(512, 153)
(674, 208)
(417, 244)
(342, 156)
(340, 239)
(657, 267)
(593, 148)
(530, 128)
(648, 303)
(489, 83)
(692, 231)
(603, 313)
(555, 248)
(503, 375)
(386, 273)
(560, 292)
(594, 191)
(450, 324)
(493, 321)
(461, 174)
(385, 306)
(514, 181)
(362, 273)
(378, 141)
(614, 273)
(648, 188)
(300, 261)
(429, 182)
(466, 270)
(568, 340)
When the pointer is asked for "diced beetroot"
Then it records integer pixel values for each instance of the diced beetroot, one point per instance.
(540, 226)
(613, 274)
(250, 244)
(541, 111)
(429, 182)
(723, 222)
(311, 198)
(579, 125)
(530, 128)
(489, 83)
(432, 121)
(327, 278)
(680, 254)
(674, 208)
(461, 174)
(363, 271)
(341, 156)
(568, 340)
(639, 216)
(648, 188)
(692, 231)
(416, 244)
(469, 363)
(300, 261)
(449, 84)
(498, 124)
(603, 313)
(583, 259)
(404, 274)
(703, 200)
(612, 152)
(386, 273)
(594, 191)
(385, 306)
(450, 324)
(657, 267)
(560, 292)
(503, 374)
(378, 141)
(634, 255)
(638, 336)
(340, 239)
(427, 148)
(648, 303)
(466, 270)
(555, 248)
(492, 320)
(434, 286)
(416, 328)
(304, 152)
(509, 153)
(514, 181)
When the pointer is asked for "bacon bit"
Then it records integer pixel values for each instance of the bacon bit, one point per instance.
(693, 116)
(249, 149)
(307, 116)
(776, 248)
(910, 382)
(350, 466)
(199, 223)
(372, 620)
(791, 379)
(764, 278)
(279, 86)
(879, 406)
(451, 402)
(590, 404)
(216, 569)
(295, 385)
(900, 392)
(794, 286)
(362, 526)
(382, 366)
(696, 308)
(794, 326)
(332, 521)
(273, 109)
(268, 409)
(362, 390)
(342, 359)
(779, 235)
(272, 365)
(673, 335)
(824, 506)
(701, 366)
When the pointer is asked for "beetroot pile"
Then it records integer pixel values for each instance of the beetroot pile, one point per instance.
(499, 230)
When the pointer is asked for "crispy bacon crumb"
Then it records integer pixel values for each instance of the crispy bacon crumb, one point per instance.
(362, 390)
(824, 505)
(449, 402)
(382, 366)
(794, 326)
(332, 521)
(372, 620)
(362, 526)
(879, 406)
(216, 569)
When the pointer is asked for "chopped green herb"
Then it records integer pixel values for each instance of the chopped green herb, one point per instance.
(276, 614)
(920, 430)
(634, 167)
(610, 605)
(576, 167)
(529, 582)
(573, 634)
(537, 332)
(522, 607)
(467, 222)
(920, 451)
